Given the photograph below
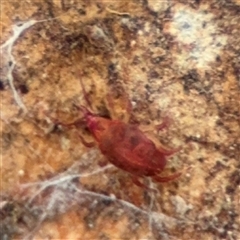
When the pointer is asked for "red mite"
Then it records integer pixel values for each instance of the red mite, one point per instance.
(126, 146)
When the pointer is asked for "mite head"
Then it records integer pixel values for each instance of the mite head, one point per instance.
(96, 124)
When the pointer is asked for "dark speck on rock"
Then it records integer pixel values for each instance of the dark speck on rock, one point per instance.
(1, 85)
(23, 89)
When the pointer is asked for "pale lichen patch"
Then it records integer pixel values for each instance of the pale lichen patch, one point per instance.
(198, 37)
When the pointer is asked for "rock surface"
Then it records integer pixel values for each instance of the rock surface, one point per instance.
(175, 59)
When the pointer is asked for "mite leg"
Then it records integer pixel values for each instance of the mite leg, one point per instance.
(120, 99)
(85, 94)
(75, 123)
(169, 152)
(165, 124)
(136, 181)
(125, 103)
(103, 162)
(167, 178)
(86, 144)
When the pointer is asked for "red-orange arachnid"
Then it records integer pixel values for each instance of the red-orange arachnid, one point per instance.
(125, 145)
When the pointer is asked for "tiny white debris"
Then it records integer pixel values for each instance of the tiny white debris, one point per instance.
(235, 226)
(65, 143)
(158, 5)
(231, 147)
(21, 173)
(90, 225)
(221, 230)
(133, 43)
(133, 103)
(147, 27)
(228, 199)
(3, 204)
(188, 175)
(140, 32)
(112, 196)
(198, 135)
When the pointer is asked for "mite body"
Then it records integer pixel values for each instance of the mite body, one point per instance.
(126, 146)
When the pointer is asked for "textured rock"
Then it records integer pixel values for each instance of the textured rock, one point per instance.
(171, 58)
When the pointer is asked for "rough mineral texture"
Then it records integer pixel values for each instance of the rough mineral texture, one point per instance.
(176, 59)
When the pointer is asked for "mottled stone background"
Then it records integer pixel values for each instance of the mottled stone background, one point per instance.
(175, 59)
